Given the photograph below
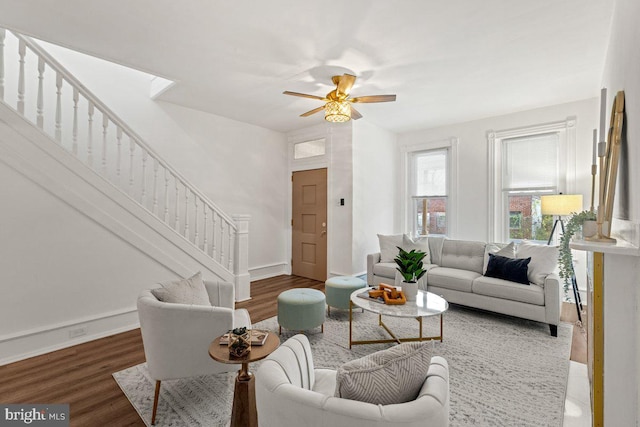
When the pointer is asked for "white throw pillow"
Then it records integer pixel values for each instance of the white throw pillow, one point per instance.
(544, 260)
(419, 244)
(389, 246)
(385, 377)
(503, 249)
(186, 291)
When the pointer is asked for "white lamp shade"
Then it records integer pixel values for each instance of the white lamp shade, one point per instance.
(561, 204)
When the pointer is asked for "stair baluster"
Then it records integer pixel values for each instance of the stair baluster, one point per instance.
(90, 111)
(58, 107)
(22, 51)
(40, 101)
(3, 34)
(105, 125)
(74, 147)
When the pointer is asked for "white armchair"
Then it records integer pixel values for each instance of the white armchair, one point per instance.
(290, 391)
(176, 337)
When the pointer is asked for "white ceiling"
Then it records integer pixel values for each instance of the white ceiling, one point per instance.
(447, 61)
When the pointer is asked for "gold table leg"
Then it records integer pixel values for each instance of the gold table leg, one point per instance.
(244, 412)
(394, 339)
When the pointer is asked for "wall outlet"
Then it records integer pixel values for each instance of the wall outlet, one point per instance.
(77, 332)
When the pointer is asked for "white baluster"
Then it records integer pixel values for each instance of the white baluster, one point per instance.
(195, 220)
(205, 244)
(177, 225)
(118, 154)
(132, 148)
(74, 147)
(3, 34)
(105, 125)
(166, 195)
(213, 234)
(40, 100)
(143, 196)
(230, 247)
(186, 211)
(22, 50)
(58, 107)
(90, 135)
(222, 241)
(155, 186)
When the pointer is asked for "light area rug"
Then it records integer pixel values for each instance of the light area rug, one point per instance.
(504, 371)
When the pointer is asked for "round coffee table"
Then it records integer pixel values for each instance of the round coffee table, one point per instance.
(244, 412)
(426, 304)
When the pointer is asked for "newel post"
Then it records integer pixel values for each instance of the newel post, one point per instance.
(241, 255)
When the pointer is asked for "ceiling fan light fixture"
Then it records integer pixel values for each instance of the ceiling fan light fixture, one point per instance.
(337, 111)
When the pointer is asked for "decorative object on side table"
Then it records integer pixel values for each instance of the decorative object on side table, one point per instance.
(239, 342)
(410, 266)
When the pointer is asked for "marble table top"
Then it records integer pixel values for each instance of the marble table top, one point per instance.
(426, 304)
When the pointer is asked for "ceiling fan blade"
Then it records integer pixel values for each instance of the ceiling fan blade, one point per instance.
(315, 110)
(374, 98)
(345, 84)
(304, 95)
(355, 114)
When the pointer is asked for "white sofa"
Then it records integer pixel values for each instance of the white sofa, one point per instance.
(291, 392)
(455, 272)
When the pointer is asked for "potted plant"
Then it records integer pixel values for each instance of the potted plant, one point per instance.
(565, 259)
(410, 267)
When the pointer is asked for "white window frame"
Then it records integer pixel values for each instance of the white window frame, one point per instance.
(498, 218)
(406, 169)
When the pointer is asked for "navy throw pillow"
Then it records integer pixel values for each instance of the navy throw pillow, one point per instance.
(512, 269)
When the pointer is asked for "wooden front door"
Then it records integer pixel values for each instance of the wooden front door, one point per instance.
(309, 224)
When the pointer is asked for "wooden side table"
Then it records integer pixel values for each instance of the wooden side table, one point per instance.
(244, 412)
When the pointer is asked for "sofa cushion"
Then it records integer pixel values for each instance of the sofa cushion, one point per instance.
(463, 255)
(512, 269)
(504, 289)
(385, 269)
(389, 246)
(418, 244)
(452, 278)
(185, 291)
(503, 249)
(544, 260)
(394, 375)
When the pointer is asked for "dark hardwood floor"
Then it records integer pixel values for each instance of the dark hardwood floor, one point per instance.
(81, 375)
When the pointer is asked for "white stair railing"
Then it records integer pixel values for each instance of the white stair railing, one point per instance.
(35, 85)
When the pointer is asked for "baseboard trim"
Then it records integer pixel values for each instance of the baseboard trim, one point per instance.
(37, 341)
(268, 270)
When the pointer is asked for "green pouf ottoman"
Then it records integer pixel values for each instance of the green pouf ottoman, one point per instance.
(301, 309)
(339, 290)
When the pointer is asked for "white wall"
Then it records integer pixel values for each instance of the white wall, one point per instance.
(241, 167)
(621, 72)
(473, 161)
(375, 184)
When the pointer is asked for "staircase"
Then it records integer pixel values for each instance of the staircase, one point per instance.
(92, 142)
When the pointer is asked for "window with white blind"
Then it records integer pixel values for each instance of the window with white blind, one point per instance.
(528, 163)
(429, 191)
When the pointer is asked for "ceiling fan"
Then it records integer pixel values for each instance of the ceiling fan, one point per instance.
(338, 106)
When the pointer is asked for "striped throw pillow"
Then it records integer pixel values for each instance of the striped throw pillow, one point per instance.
(385, 377)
